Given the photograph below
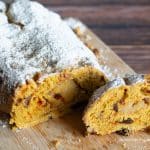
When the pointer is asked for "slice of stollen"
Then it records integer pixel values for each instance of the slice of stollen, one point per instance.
(122, 105)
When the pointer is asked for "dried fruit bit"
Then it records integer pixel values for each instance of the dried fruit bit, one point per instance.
(20, 24)
(128, 121)
(17, 101)
(125, 95)
(26, 101)
(145, 91)
(123, 131)
(146, 100)
(59, 97)
(41, 102)
(115, 107)
(96, 51)
(78, 31)
(37, 76)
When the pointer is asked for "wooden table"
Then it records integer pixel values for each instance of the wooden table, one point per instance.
(122, 24)
(125, 26)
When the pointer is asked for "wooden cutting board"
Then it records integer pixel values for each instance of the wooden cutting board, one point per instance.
(67, 133)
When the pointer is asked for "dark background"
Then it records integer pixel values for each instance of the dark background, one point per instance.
(122, 24)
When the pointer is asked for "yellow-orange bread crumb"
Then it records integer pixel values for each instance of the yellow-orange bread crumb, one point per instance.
(35, 102)
(121, 106)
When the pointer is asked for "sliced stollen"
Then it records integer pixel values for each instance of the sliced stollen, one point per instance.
(44, 67)
(122, 105)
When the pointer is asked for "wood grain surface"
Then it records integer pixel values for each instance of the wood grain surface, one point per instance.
(122, 24)
(125, 26)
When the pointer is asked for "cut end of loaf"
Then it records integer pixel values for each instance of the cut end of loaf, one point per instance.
(35, 102)
(121, 109)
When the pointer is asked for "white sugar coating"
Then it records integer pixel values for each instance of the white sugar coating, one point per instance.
(103, 59)
(37, 40)
(2, 7)
(135, 78)
(3, 17)
(74, 23)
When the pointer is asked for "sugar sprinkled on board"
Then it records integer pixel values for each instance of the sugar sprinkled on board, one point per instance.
(4, 119)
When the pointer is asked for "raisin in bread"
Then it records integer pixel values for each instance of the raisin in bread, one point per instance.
(122, 105)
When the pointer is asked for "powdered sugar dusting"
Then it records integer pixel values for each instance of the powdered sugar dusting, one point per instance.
(37, 40)
(2, 7)
(112, 84)
(73, 23)
(4, 119)
(133, 79)
(103, 52)
(3, 18)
